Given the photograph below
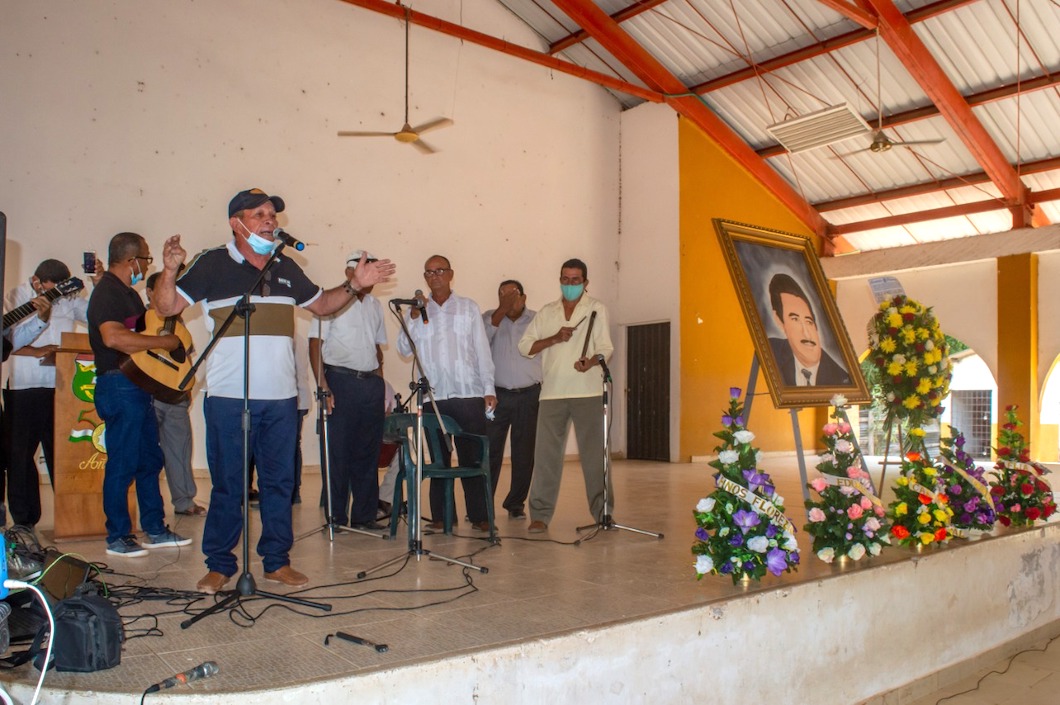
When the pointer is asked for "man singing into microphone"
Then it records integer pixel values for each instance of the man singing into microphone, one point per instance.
(345, 352)
(558, 332)
(218, 278)
(452, 345)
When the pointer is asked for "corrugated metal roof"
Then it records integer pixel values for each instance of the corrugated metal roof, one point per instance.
(976, 44)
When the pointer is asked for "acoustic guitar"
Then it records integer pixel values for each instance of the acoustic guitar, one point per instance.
(17, 315)
(160, 372)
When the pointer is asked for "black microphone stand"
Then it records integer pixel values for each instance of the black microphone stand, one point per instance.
(606, 523)
(323, 426)
(245, 585)
(415, 547)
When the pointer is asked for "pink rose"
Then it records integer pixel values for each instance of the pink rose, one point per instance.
(865, 503)
(854, 511)
(818, 484)
(844, 427)
(830, 429)
(878, 511)
(816, 514)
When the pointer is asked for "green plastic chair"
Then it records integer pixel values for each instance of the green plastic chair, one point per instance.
(401, 429)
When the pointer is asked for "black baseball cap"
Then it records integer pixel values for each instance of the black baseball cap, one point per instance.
(253, 198)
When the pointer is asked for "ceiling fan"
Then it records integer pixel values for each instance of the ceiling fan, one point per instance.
(880, 141)
(407, 134)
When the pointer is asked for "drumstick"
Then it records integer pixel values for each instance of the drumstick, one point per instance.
(588, 333)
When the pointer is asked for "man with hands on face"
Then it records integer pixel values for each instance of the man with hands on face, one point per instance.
(456, 357)
(218, 278)
(518, 382)
(568, 395)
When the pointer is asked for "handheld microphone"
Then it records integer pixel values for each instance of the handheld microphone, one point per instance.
(203, 670)
(603, 364)
(288, 239)
(422, 306)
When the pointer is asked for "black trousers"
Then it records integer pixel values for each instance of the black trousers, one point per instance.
(355, 435)
(516, 410)
(29, 421)
(470, 414)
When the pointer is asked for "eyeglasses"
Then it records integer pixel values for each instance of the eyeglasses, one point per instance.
(436, 272)
(149, 260)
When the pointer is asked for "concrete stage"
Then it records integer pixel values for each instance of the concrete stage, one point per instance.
(619, 618)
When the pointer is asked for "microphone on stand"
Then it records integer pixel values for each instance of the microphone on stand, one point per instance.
(288, 239)
(603, 364)
(203, 670)
(421, 305)
(414, 302)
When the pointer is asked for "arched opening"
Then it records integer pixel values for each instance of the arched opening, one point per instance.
(972, 404)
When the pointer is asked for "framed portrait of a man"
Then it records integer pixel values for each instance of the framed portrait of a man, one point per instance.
(800, 340)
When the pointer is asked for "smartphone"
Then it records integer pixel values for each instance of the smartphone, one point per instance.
(89, 262)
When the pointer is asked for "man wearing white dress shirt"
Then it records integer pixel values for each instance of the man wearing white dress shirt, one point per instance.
(452, 345)
(345, 351)
(29, 399)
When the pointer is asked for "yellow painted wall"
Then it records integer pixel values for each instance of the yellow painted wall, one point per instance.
(716, 347)
(1017, 339)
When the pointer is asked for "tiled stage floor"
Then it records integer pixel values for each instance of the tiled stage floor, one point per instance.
(536, 585)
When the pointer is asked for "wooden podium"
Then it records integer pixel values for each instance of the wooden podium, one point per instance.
(80, 453)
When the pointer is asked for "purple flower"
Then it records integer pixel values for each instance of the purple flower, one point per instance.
(726, 568)
(771, 531)
(966, 519)
(736, 540)
(702, 534)
(755, 479)
(734, 392)
(776, 561)
(726, 420)
(739, 421)
(793, 558)
(954, 490)
(971, 505)
(746, 520)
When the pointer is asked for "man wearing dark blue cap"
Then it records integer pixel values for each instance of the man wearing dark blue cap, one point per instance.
(218, 278)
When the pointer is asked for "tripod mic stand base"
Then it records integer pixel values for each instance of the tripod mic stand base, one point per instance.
(333, 527)
(609, 524)
(416, 549)
(246, 587)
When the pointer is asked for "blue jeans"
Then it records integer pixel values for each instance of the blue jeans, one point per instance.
(273, 424)
(133, 455)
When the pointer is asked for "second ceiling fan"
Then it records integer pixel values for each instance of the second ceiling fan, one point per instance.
(407, 134)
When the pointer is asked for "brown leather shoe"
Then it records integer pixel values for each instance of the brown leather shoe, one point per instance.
(481, 526)
(288, 576)
(537, 527)
(212, 583)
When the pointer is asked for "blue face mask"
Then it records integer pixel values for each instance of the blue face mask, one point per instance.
(259, 244)
(572, 292)
(139, 276)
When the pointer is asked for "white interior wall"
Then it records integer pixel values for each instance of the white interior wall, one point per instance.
(649, 247)
(963, 296)
(148, 115)
(1048, 324)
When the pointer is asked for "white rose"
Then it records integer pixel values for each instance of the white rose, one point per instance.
(826, 554)
(844, 446)
(705, 505)
(728, 457)
(743, 436)
(856, 551)
(704, 564)
(929, 345)
(874, 549)
(790, 544)
(759, 544)
(826, 457)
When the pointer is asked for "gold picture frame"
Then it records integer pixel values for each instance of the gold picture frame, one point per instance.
(769, 269)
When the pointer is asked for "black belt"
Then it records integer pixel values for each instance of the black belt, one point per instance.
(520, 390)
(347, 371)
